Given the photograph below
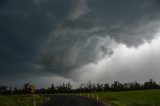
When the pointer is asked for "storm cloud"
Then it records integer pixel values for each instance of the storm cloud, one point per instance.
(72, 39)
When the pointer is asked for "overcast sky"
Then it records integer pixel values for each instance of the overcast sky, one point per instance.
(56, 41)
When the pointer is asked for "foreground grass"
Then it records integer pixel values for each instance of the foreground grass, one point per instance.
(19, 100)
(130, 98)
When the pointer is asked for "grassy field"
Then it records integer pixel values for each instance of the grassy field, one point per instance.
(17, 100)
(130, 98)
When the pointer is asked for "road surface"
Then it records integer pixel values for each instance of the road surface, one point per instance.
(61, 100)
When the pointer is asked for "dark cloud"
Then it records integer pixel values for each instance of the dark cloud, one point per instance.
(78, 9)
(87, 39)
(59, 36)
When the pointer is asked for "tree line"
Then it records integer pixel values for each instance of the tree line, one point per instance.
(88, 87)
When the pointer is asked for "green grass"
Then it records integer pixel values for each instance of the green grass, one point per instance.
(20, 100)
(130, 98)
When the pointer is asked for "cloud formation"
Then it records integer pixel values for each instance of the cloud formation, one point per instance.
(78, 9)
(76, 43)
(126, 64)
(74, 38)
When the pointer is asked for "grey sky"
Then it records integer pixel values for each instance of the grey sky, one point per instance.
(78, 40)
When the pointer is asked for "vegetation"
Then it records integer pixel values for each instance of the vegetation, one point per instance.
(89, 87)
(117, 86)
(20, 100)
(129, 98)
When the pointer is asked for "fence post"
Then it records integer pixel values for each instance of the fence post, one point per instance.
(34, 103)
